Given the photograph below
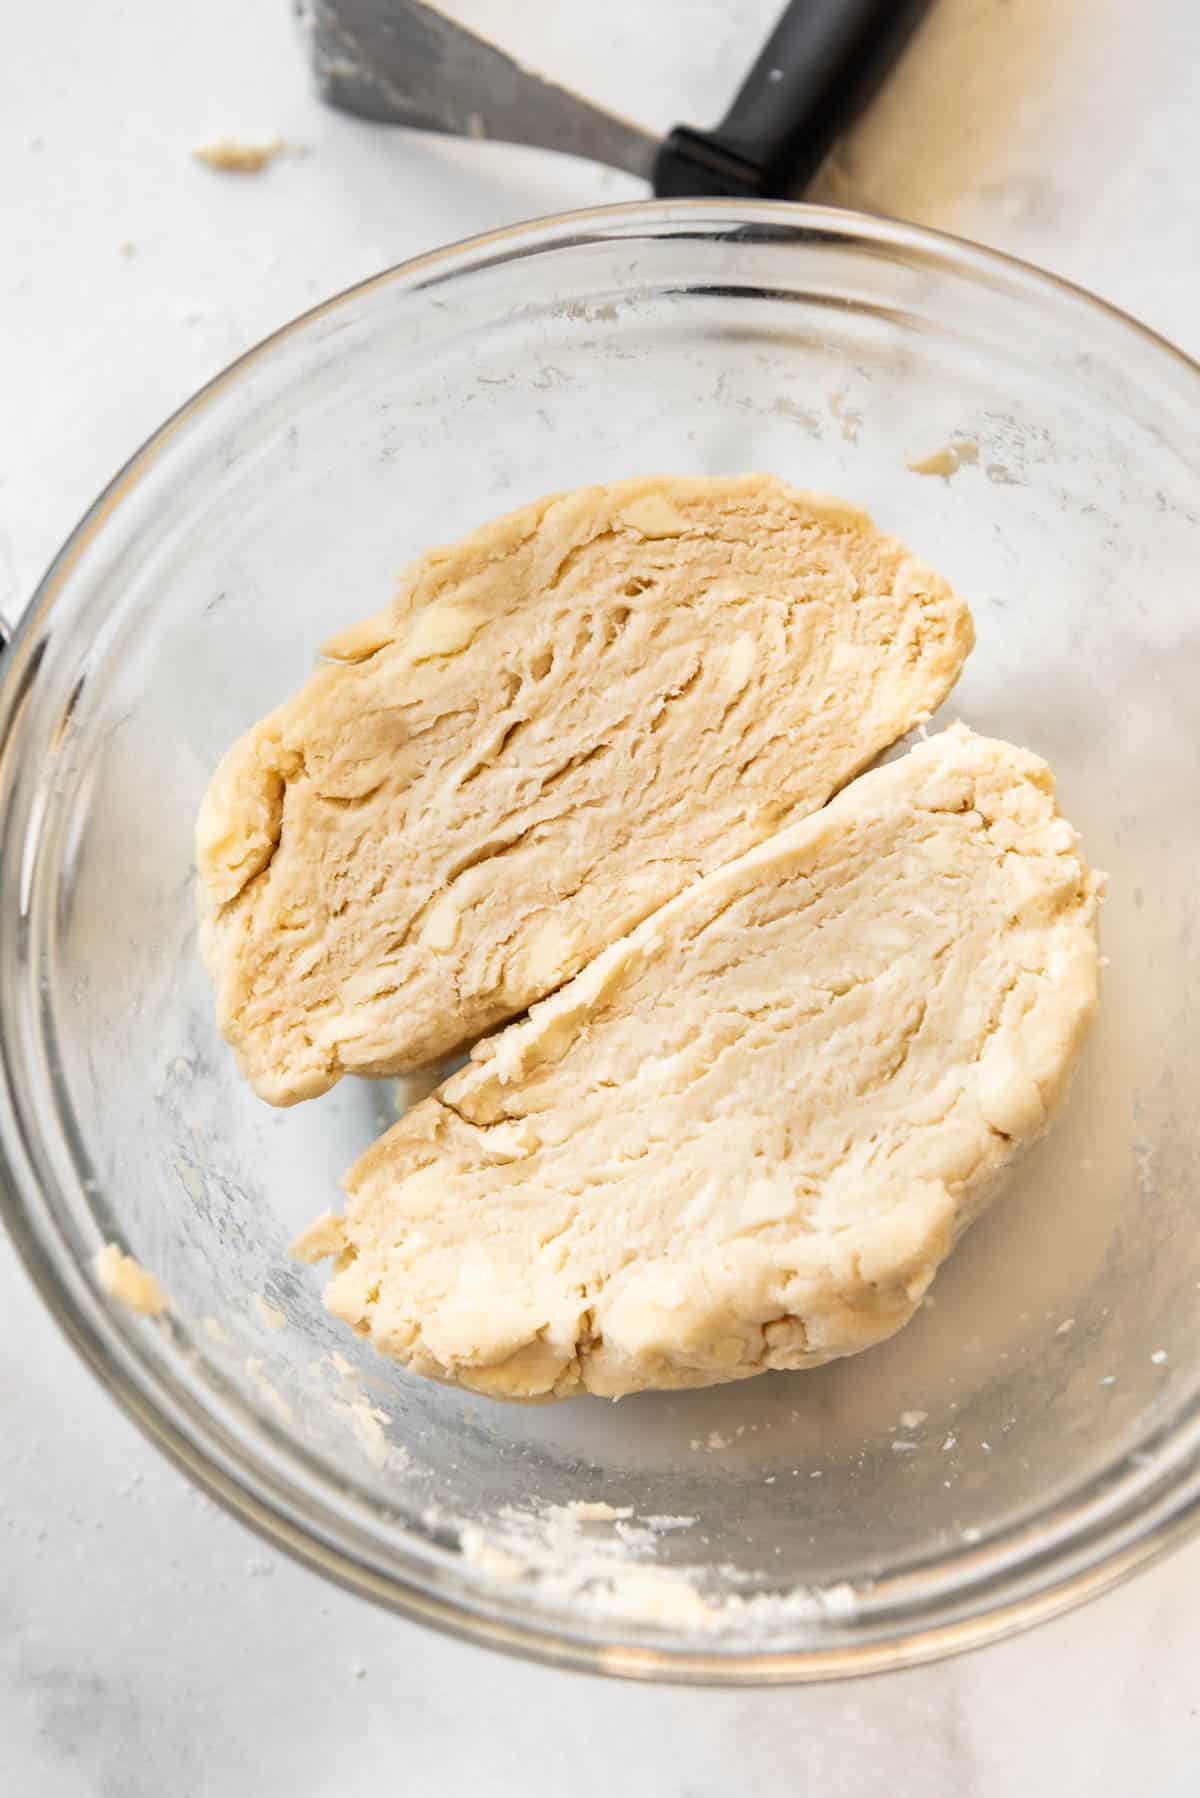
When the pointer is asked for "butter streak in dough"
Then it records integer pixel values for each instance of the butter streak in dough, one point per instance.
(747, 1134)
(565, 719)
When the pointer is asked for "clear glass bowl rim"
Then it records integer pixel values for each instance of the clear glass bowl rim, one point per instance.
(1136, 1510)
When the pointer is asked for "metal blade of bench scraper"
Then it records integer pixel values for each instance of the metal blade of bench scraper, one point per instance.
(407, 64)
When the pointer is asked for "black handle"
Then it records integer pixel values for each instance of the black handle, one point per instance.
(818, 69)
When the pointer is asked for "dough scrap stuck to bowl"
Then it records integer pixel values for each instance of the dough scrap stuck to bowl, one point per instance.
(747, 1134)
(127, 1281)
(564, 720)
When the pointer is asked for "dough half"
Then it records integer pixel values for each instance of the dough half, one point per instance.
(748, 1133)
(562, 722)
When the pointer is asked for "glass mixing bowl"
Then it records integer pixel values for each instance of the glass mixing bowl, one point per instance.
(1034, 1434)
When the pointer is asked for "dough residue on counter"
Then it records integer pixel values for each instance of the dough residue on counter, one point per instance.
(231, 156)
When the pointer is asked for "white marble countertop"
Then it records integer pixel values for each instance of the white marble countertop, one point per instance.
(147, 1643)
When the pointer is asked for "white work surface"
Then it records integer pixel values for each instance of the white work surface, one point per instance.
(148, 1644)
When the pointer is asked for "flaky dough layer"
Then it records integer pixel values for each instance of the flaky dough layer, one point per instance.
(748, 1133)
(564, 719)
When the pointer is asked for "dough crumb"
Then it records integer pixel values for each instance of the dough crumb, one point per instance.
(586, 1510)
(368, 1423)
(268, 1314)
(839, 1602)
(230, 156)
(912, 1420)
(270, 1394)
(947, 461)
(487, 1557)
(127, 1281)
